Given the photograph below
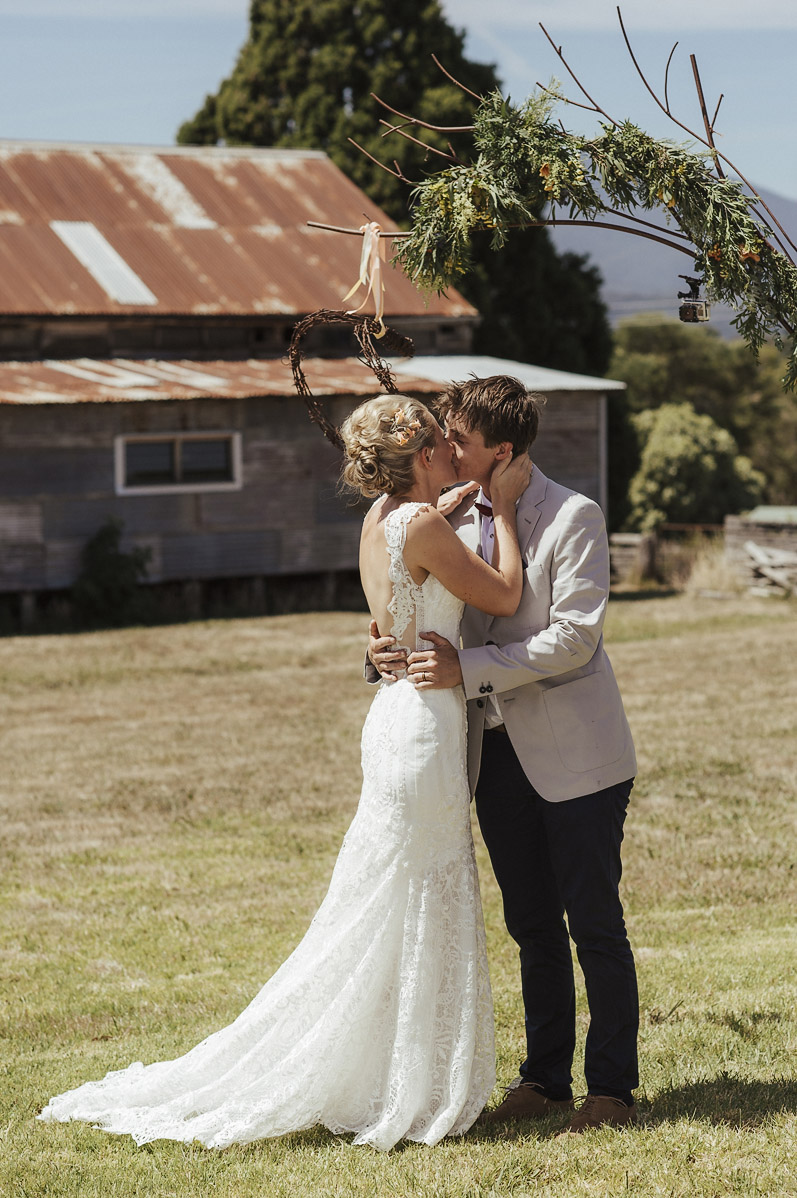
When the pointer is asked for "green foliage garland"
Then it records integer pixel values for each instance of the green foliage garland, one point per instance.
(525, 159)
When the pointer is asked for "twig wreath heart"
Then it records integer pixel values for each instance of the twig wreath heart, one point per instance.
(365, 329)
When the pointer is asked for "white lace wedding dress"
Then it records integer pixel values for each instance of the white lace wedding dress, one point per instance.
(380, 1022)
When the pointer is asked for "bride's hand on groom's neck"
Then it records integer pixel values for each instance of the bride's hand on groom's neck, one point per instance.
(450, 500)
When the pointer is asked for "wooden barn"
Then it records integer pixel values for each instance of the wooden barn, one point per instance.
(147, 297)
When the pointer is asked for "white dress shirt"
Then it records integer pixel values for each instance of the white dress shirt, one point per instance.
(492, 714)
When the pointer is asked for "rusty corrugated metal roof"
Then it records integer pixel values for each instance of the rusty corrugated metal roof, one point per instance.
(206, 230)
(90, 380)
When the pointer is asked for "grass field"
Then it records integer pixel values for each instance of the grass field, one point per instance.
(173, 800)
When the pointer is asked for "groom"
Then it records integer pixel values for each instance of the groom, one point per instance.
(551, 761)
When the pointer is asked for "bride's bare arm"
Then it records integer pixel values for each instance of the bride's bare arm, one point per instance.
(433, 545)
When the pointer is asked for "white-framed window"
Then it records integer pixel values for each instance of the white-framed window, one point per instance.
(160, 463)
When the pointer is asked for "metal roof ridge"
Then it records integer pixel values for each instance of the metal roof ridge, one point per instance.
(440, 364)
(32, 144)
(124, 380)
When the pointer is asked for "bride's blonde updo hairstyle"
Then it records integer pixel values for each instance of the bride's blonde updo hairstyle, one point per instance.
(381, 438)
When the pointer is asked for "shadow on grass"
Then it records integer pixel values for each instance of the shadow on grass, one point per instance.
(727, 1100)
(633, 596)
(723, 1100)
(319, 1139)
(528, 1129)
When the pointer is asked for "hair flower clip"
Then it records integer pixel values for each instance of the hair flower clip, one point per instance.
(404, 430)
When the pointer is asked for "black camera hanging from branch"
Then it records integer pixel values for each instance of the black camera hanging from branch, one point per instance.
(693, 309)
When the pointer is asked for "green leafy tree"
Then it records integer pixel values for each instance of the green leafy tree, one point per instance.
(690, 471)
(538, 305)
(623, 445)
(769, 434)
(304, 79)
(305, 75)
(663, 361)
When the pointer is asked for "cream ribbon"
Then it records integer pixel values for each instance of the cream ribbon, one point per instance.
(371, 259)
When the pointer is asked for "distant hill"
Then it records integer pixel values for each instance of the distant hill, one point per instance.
(642, 276)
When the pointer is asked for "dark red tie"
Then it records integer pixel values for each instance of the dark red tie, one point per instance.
(484, 508)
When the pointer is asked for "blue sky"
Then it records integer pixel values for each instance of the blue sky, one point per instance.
(132, 70)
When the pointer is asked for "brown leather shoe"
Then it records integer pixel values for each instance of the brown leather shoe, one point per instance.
(524, 1100)
(598, 1110)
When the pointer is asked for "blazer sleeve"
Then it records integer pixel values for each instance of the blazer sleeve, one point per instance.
(370, 672)
(579, 579)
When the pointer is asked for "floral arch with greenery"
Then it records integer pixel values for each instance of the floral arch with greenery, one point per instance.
(522, 161)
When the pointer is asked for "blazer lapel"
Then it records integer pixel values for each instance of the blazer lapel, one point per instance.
(529, 505)
(467, 525)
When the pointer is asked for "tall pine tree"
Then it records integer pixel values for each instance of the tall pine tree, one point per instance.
(304, 79)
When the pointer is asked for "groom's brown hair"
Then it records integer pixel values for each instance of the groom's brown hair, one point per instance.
(500, 407)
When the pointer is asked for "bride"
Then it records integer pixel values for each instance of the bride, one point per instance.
(380, 1022)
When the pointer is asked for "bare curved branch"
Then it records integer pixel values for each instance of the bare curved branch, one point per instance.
(412, 120)
(716, 111)
(666, 77)
(456, 82)
(649, 224)
(601, 224)
(423, 144)
(641, 74)
(558, 52)
(717, 154)
(565, 100)
(399, 174)
(706, 121)
(530, 224)
(317, 224)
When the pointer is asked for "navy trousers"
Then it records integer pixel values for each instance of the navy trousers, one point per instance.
(552, 859)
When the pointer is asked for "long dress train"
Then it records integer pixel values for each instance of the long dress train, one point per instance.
(380, 1022)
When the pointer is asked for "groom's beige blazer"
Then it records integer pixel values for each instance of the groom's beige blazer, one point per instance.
(546, 665)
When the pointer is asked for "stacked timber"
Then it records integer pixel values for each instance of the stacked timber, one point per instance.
(774, 570)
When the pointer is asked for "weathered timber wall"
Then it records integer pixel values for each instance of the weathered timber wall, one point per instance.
(57, 488)
(569, 446)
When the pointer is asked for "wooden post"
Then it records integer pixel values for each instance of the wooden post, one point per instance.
(646, 557)
(192, 597)
(27, 610)
(329, 591)
(257, 594)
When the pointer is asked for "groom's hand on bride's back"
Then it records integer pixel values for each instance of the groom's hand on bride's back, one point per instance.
(437, 668)
(385, 655)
